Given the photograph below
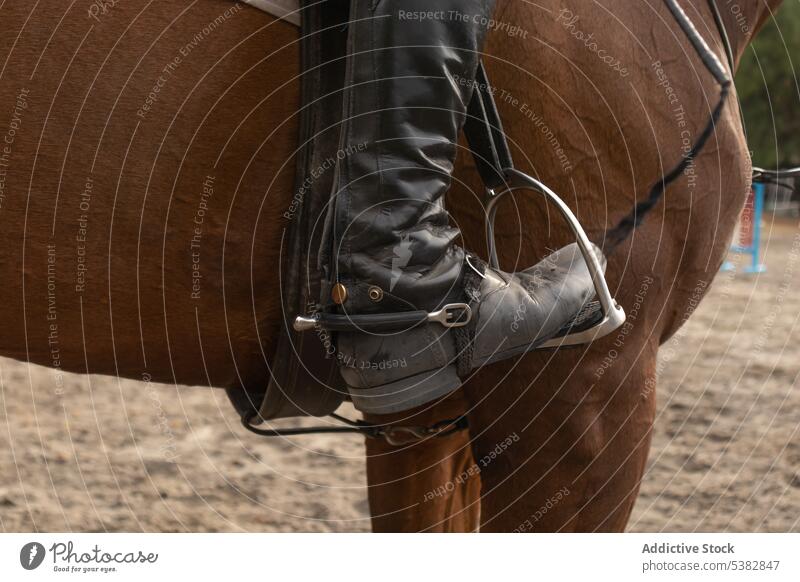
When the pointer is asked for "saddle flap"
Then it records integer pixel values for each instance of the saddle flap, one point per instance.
(304, 379)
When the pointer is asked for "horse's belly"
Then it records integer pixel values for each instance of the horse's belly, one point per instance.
(142, 181)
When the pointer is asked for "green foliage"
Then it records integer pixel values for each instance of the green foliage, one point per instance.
(767, 83)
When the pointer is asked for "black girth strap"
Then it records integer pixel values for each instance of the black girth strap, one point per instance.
(625, 227)
(397, 435)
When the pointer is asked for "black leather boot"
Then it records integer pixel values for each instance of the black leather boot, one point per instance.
(412, 311)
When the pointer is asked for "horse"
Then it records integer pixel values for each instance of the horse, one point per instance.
(146, 170)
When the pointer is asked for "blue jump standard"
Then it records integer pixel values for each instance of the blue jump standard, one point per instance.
(754, 248)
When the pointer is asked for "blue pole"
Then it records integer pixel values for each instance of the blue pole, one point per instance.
(755, 248)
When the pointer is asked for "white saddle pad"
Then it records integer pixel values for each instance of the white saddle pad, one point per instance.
(288, 10)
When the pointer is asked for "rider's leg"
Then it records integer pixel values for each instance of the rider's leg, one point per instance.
(390, 247)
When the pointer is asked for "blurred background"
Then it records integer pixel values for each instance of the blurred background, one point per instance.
(768, 89)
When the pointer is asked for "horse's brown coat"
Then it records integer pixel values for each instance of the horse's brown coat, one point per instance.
(220, 112)
(73, 91)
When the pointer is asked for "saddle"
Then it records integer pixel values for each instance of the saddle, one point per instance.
(304, 380)
(304, 377)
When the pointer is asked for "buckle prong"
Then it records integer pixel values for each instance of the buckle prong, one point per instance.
(452, 315)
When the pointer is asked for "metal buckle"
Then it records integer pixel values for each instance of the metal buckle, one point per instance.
(302, 323)
(613, 314)
(452, 315)
(406, 435)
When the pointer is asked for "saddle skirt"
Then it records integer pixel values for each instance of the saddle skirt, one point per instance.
(304, 378)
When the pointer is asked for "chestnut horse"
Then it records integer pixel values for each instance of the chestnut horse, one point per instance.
(147, 162)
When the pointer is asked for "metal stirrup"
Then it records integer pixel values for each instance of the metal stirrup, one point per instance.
(613, 314)
(487, 140)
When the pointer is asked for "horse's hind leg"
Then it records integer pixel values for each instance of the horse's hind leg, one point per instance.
(429, 486)
(567, 453)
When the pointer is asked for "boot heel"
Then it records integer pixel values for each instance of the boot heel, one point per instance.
(407, 392)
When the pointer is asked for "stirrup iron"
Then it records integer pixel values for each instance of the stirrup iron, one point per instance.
(613, 316)
(485, 135)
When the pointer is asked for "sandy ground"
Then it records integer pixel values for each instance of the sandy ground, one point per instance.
(119, 455)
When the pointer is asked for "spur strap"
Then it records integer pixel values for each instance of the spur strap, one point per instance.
(396, 435)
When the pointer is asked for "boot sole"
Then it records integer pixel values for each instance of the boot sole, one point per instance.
(407, 393)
